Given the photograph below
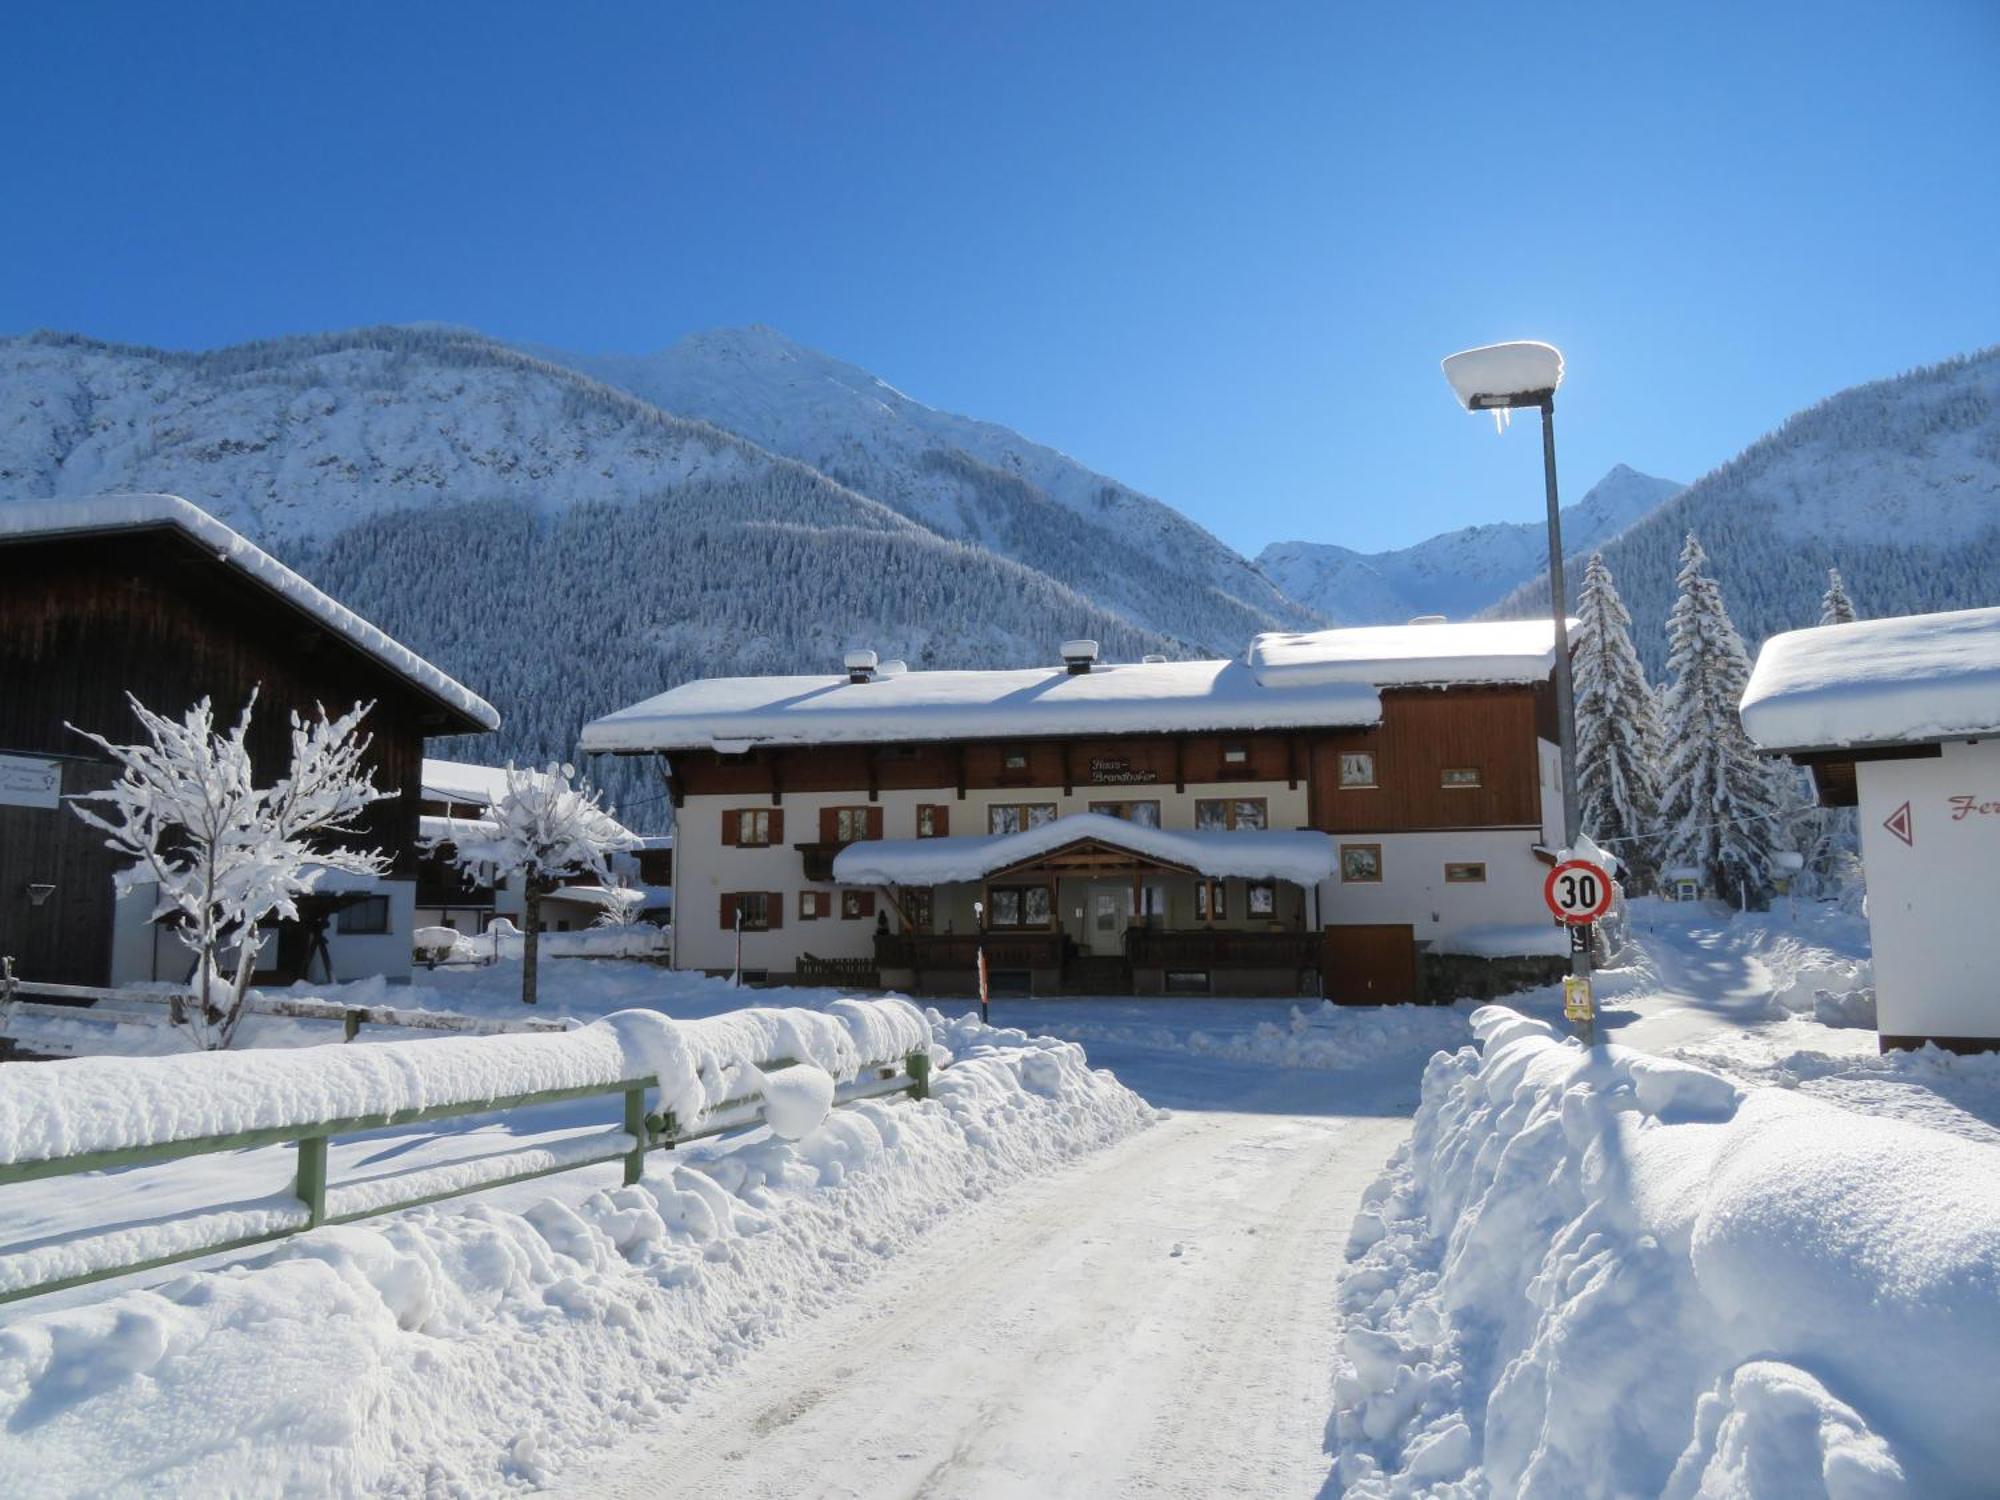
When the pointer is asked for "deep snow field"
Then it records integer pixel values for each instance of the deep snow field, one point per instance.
(1738, 1253)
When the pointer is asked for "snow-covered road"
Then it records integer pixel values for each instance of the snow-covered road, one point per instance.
(1157, 1320)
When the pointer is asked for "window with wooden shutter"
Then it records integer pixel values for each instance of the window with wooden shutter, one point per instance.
(847, 825)
(857, 904)
(753, 827)
(774, 909)
(728, 911)
(933, 821)
(731, 820)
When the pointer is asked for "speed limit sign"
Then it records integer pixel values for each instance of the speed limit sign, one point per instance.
(1578, 892)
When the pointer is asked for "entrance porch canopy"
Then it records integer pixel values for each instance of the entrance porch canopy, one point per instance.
(1304, 858)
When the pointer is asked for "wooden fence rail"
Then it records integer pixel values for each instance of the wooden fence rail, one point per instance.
(314, 1200)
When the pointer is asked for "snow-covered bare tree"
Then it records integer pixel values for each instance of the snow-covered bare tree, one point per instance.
(224, 853)
(1718, 803)
(1835, 608)
(1617, 727)
(546, 824)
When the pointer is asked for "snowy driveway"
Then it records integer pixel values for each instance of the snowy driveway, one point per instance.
(1158, 1319)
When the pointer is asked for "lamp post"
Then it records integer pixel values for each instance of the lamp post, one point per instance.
(1501, 378)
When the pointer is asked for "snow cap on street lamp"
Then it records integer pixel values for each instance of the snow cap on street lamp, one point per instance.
(1500, 376)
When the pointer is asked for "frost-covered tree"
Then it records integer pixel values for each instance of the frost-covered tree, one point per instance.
(1617, 726)
(1835, 608)
(546, 824)
(225, 853)
(1718, 803)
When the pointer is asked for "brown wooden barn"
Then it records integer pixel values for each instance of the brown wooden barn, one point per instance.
(150, 594)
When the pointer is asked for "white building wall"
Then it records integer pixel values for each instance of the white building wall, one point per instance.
(1930, 900)
(1413, 888)
(142, 951)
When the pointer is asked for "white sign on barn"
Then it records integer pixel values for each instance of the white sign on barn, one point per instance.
(27, 781)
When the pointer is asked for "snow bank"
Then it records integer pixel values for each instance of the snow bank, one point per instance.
(1324, 1038)
(1617, 1274)
(470, 1350)
(1910, 678)
(1302, 857)
(105, 1103)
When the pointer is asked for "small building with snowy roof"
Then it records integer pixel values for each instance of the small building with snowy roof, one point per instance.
(1310, 817)
(1900, 718)
(150, 595)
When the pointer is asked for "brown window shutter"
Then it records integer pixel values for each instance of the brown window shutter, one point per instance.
(941, 821)
(777, 826)
(874, 822)
(730, 825)
(728, 911)
(864, 905)
(775, 905)
(829, 825)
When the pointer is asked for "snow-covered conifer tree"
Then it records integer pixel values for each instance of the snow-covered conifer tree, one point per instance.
(546, 824)
(1718, 803)
(224, 853)
(1835, 608)
(1617, 726)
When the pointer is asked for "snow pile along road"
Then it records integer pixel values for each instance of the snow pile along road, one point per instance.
(472, 1348)
(1617, 1274)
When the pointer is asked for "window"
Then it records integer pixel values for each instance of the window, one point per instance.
(917, 908)
(849, 824)
(813, 905)
(1014, 817)
(1261, 899)
(1466, 873)
(856, 904)
(1460, 776)
(1014, 760)
(933, 821)
(1021, 906)
(760, 910)
(369, 914)
(1211, 901)
(753, 827)
(1361, 863)
(1230, 812)
(1145, 814)
(1235, 755)
(1357, 768)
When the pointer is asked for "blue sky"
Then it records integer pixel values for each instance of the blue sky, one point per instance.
(1215, 251)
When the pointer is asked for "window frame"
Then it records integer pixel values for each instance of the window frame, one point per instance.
(1452, 865)
(762, 922)
(748, 817)
(1445, 783)
(1020, 892)
(342, 927)
(1374, 781)
(814, 906)
(1347, 879)
(850, 816)
(1268, 889)
(1026, 819)
(1121, 808)
(1211, 894)
(1230, 806)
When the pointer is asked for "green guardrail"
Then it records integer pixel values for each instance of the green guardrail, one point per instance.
(639, 1132)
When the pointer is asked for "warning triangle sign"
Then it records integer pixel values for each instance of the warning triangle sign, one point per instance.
(1898, 823)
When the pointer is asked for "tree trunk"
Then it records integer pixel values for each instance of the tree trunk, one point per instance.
(531, 938)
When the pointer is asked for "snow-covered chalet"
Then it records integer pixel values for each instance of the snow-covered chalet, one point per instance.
(152, 595)
(1362, 813)
(1900, 718)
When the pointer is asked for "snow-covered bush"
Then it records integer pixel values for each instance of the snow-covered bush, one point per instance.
(546, 824)
(225, 853)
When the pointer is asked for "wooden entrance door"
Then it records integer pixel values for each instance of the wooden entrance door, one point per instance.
(1104, 920)
(1369, 964)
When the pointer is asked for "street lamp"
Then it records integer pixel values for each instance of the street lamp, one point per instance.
(1500, 378)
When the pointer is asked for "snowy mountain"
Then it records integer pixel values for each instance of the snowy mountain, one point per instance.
(514, 519)
(1460, 572)
(971, 480)
(1896, 483)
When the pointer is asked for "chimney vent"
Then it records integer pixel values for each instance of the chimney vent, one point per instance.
(1078, 656)
(860, 665)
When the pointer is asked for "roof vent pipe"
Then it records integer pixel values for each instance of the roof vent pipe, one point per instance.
(860, 665)
(1078, 656)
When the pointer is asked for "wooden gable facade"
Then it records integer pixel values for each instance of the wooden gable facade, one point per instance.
(85, 617)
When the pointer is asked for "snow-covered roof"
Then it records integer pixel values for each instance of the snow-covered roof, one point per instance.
(736, 713)
(461, 781)
(48, 518)
(434, 830)
(1912, 679)
(1439, 652)
(1305, 858)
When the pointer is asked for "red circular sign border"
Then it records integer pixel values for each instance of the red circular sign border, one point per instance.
(1549, 892)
